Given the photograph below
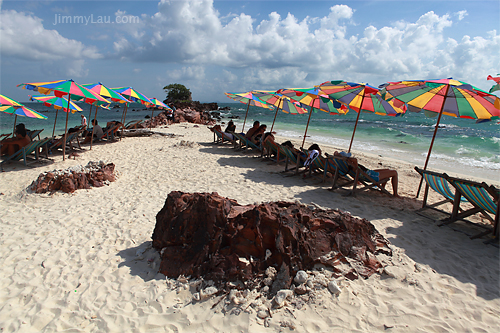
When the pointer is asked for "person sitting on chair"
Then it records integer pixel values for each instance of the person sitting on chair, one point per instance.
(21, 139)
(376, 174)
(231, 127)
(98, 132)
(258, 134)
(218, 128)
(252, 130)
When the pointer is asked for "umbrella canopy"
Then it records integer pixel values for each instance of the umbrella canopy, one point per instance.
(57, 102)
(280, 101)
(133, 95)
(360, 98)
(10, 106)
(496, 86)
(316, 99)
(446, 96)
(249, 99)
(159, 104)
(21, 110)
(106, 92)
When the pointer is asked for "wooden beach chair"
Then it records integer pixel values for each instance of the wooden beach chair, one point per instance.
(25, 152)
(439, 183)
(272, 151)
(484, 199)
(33, 134)
(110, 133)
(59, 143)
(355, 176)
(293, 158)
(219, 137)
(133, 124)
(244, 142)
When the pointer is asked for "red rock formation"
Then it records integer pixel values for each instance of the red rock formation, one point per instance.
(206, 235)
(69, 182)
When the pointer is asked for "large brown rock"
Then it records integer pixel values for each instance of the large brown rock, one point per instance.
(206, 235)
(93, 175)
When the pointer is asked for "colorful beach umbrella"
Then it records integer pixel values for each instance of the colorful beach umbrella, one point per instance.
(316, 100)
(57, 103)
(280, 102)
(496, 86)
(249, 99)
(360, 98)
(11, 106)
(445, 96)
(62, 88)
(132, 95)
(156, 103)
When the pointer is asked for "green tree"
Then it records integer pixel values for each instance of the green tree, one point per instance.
(177, 93)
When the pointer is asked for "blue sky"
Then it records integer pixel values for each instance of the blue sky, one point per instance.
(217, 46)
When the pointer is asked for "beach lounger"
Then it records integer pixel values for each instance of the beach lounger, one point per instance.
(4, 136)
(26, 151)
(439, 183)
(110, 133)
(274, 152)
(69, 141)
(33, 134)
(219, 137)
(483, 197)
(133, 124)
(244, 142)
(293, 158)
(343, 169)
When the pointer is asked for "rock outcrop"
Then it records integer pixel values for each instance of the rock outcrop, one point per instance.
(94, 174)
(209, 236)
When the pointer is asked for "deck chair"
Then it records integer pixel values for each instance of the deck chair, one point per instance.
(219, 137)
(273, 151)
(133, 124)
(355, 176)
(26, 151)
(439, 183)
(69, 141)
(110, 133)
(293, 158)
(484, 198)
(245, 143)
(33, 134)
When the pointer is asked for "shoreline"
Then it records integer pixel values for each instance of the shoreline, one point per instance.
(84, 262)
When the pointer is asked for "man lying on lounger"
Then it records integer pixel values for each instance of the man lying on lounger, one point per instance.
(376, 174)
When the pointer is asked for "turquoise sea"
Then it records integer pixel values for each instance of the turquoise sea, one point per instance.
(461, 145)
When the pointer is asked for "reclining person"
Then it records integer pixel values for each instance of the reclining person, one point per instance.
(98, 132)
(376, 174)
(10, 146)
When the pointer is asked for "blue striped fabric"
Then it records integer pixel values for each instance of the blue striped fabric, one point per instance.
(477, 194)
(440, 185)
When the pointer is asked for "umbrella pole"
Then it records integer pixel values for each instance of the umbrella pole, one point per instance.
(246, 114)
(151, 122)
(66, 128)
(357, 118)
(354, 131)
(433, 137)
(277, 109)
(93, 127)
(125, 114)
(14, 129)
(307, 126)
(55, 121)
(90, 114)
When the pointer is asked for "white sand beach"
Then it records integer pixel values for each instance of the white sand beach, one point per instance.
(83, 262)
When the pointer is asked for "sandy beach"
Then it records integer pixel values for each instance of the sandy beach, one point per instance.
(83, 262)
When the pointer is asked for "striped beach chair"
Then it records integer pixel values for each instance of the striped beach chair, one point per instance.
(483, 197)
(292, 158)
(439, 183)
(25, 152)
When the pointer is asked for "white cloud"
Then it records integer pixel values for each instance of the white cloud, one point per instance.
(461, 14)
(187, 73)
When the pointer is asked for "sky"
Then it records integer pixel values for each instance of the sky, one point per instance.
(213, 47)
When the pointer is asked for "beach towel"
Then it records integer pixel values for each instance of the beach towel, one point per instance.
(313, 154)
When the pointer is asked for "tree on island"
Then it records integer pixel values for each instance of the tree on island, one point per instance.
(177, 92)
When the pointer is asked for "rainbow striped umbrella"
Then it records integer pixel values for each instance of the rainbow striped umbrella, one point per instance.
(57, 103)
(133, 95)
(445, 96)
(360, 98)
(106, 92)
(496, 86)
(21, 110)
(315, 98)
(249, 99)
(4, 100)
(159, 104)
